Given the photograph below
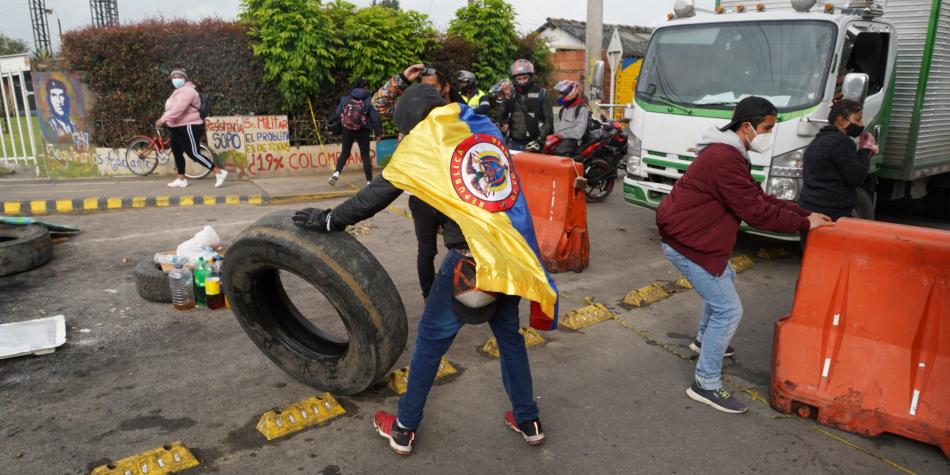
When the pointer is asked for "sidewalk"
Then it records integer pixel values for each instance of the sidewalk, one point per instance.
(44, 196)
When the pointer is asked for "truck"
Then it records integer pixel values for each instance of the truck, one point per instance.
(801, 57)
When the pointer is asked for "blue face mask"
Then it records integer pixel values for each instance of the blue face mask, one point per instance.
(178, 82)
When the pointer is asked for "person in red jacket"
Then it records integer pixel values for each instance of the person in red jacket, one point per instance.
(698, 224)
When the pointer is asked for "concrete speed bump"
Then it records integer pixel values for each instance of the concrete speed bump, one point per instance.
(531, 338)
(742, 263)
(166, 459)
(299, 416)
(585, 317)
(398, 381)
(772, 253)
(646, 295)
(683, 282)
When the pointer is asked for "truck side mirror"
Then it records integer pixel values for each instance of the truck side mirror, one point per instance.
(855, 87)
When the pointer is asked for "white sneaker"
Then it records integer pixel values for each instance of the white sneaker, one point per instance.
(178, 183)
(333, 178)
(219, 178)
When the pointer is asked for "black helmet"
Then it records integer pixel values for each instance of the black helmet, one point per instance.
(465, 80)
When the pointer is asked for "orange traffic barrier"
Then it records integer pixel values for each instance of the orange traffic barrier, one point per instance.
(558, 209)
(866, 347)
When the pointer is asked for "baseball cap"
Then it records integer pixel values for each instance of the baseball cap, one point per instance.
(750, 108)
(471, 304)
(414, 105)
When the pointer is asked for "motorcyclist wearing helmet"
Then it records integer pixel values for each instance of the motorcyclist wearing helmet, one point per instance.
(572, 119)
(498, 96)
(471, 95)
(528, 114)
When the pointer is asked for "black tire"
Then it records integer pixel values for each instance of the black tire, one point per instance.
(599, 180)
(151, 282)
(23, 248)
(350, 278)
(141, 158)
(863, 205)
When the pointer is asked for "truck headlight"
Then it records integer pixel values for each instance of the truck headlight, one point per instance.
(785, 175)
(634, 151)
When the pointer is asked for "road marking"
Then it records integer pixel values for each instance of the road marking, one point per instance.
(64, 206)
(11, 207)
(90, 203)
(158, 233)
(114, 203)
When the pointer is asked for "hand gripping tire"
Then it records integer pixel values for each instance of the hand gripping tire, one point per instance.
(23, 248)
(350, 278)
(151, 282)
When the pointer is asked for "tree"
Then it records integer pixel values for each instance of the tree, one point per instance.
(490, 26)
(293, 38)
(377, 42)
(12, 45)
(394, 4)
(457, 54)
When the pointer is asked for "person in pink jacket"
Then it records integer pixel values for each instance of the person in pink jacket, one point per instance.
(183, 118)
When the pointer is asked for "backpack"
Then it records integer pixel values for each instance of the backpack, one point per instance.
(204, 109)
(353, 116)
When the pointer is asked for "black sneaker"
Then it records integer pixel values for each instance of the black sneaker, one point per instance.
(696, 346)
(530, 431)
(719, 399)
(399, 439)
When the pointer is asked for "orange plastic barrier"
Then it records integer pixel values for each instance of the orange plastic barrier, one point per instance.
(867, 345)
(558, 209)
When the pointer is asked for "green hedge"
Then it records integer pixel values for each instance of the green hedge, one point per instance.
(127, 68)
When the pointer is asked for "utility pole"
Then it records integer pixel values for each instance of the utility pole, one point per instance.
(594, 40)
(41, 39)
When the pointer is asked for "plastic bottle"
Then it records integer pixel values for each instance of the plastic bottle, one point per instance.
(215, 298)
(180, 282)
(201, 274)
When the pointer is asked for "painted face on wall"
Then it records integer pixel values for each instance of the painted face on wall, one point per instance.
(58, 102)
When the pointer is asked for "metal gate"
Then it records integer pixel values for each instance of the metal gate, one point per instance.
(17, 139)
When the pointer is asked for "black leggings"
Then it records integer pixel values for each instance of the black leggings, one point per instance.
(362, 139)
(187, 139)
(426, 222)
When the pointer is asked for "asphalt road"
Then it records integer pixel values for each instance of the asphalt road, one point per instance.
(134, 375)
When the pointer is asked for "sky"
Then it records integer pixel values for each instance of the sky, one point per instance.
(74, 14)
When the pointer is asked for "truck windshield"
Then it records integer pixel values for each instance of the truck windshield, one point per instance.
(713, 66)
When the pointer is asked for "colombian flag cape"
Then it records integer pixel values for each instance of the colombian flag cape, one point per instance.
(457, 162)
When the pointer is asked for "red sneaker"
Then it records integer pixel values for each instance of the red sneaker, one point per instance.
(399, 439)
(530, 431)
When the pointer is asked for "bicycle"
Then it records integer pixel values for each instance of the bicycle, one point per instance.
(143, 153)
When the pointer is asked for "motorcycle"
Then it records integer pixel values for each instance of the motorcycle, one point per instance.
(602, 152)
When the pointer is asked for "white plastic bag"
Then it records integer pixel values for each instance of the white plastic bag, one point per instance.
(199, 246)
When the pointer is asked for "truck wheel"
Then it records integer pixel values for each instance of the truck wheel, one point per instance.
(23, 248)
(151, 282)
(351, 279)
(863, 205)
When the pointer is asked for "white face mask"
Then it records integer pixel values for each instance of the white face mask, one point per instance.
(178, 82)
(762, 143)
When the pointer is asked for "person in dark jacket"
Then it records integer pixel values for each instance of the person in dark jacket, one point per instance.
(529, 116)
(698, 224)
(834, 168)
(357, 116)
(440, 320)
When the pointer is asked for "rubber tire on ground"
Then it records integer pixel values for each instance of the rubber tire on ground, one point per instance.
(151, 282)
(23, 248)
(350, 278)
(863, 205)
(602, 166)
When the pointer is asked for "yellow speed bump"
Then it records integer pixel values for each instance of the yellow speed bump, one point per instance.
(772, 253)
(646, 295)
(683, 282)
(64, 206)
(531, 338)
(741, 263)
(11, 207)
(38, 206)
(399, 379)
(585, 317)
(299, 416)
(166, 459)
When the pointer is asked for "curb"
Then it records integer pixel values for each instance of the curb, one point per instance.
(96, 203)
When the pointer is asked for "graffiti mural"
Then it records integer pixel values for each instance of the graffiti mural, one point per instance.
(61, 110)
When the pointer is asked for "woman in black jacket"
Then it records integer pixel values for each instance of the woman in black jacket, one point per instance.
(834, 168)
(357, 118)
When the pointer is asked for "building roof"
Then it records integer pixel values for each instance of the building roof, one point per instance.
(633, 38)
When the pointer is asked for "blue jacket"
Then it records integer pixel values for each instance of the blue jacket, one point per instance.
(372, 117)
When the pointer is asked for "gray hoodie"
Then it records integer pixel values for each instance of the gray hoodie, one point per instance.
(714, 135)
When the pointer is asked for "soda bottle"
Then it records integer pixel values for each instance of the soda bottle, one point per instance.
(201, 274)
(215, 298)
(180, 282)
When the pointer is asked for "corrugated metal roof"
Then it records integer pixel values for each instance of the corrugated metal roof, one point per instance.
(633, 38)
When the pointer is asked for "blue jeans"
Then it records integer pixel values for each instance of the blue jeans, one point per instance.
(437, 330)
(719, 320)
